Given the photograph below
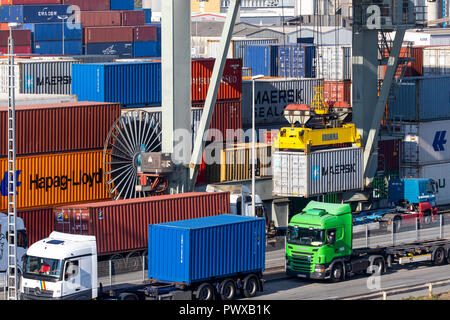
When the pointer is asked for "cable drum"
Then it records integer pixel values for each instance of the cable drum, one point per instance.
(134, 132)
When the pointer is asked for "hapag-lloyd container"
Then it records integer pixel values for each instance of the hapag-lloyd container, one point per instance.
(421, 99)
(89, 5)
(100, 18)
(62, 127)
(132, 84)
(230, 86)
(273, 95)
(34, 13)
(334, 62)
(297, 174)
(191, 251)
(122, 226)
(55, 179)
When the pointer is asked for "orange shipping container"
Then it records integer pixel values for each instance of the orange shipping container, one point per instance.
(57, 179)
(337, 91)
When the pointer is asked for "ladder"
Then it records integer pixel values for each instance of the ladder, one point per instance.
(12, 234)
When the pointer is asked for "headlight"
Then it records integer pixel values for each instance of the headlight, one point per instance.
(319, 269)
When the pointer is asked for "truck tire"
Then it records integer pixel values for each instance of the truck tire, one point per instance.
(227, 289)
(427, 217)
(439, 256)
(250, 286)
(205, 292)
(337, 273)
(128, 296)
(378, 266)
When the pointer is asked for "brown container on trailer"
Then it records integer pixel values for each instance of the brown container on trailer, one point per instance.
(20, 37)
(122, 226)
(108, 34)
(39, 223)
(100, 18)
(133, 17)
(145, 33)
(90, 5)
(61, 127)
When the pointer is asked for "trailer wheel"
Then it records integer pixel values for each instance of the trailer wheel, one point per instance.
(337, 273)
(250, 286)
(205, 292)
(227, 289)
(427, 217)
(378, 266)
(128, 296)
(439, 256)
(448, 256)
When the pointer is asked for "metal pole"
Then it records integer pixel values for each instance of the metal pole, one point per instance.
(367, 236)
(253, 149)
(110, 272)
(441, 227)
(417, 228)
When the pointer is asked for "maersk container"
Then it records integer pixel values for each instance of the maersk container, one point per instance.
(262, 59)
(131, 84)
(122, 226)
(297, 174)
(70, 47)
(120, 49)
(421, 99)
(197, 250)
(54, 31)
(273, 95)
(34, 13)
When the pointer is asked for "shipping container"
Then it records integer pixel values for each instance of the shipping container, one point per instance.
(132, 84)
(70, 47)
(117, 49)
(34, 13)
(147, 49)
(100, 18)
(389, 155)
(108, 34)
(230, 86)
(438, 172)
(297, 174)
(39, 223)
(55, 179)
(421, 99)
(133, 18)
(62, 127)
(28, 2)
(273, 95)
(89, 5)
(196, 250)
(17, 50)
(334, 62)
(54, 31)
(145, 33)
(414, 68)
(122, 226)
(297, 61)
(262, 59)
(334, 91)
(436, 60)
(122, 4)
(20, 37)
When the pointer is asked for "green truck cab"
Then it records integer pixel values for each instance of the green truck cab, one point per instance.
(319, 244)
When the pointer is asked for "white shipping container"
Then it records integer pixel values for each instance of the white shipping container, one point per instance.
(436, 61)
(334, 62)
(438, 172)
(297, 174)
(426, 142)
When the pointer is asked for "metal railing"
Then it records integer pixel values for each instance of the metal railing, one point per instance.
(131, 270)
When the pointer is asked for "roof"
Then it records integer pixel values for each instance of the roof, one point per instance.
(206, 28)
(201, 223)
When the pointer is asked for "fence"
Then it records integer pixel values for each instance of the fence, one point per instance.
(132, 270)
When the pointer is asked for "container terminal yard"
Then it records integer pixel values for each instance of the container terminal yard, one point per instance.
(224, 150)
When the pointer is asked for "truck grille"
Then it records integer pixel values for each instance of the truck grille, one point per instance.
(38, 292)
(301, 263)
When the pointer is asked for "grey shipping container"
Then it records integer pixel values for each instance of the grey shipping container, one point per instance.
(273, 95)
(334, 62)
(297, 174)
(46, 77)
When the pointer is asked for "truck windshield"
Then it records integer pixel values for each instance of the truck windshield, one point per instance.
(36, 266)
(430, 188)
(305, 236)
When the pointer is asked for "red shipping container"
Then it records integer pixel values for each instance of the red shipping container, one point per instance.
(122, 226)
(145, 33)
(334, 91)
(62, 127)
(28, 2)
(413, 69)
(100, 18)
(39, 223)
(108, 34)
(17, 50)
(90, 5)
(389, 155)
(133, 18)
(20, 37)
(231, 84)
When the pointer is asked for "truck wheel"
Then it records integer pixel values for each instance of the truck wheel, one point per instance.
(427, 218)
(128, 296)
(378, 266)
(337, 273)
(205, 292)
(439, 256)
(227, 289)
(250, 286)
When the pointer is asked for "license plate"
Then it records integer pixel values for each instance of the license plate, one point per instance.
(301, 275)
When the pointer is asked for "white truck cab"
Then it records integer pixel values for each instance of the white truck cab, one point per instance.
(62, 266)
(22, 244)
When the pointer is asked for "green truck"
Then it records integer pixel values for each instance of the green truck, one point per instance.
(319, 246)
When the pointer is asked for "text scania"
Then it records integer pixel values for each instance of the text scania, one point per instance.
(64, 181)
(339, 169)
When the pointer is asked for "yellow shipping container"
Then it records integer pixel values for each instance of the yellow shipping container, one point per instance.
(49, 180)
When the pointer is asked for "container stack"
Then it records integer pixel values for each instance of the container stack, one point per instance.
(59, 158)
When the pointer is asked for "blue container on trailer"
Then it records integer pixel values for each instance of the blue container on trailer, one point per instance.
(71, 47)
(196, 250)
(147, 49)
(262, 59)
(121, 49)
(122, 4)
(54, 31)
(131, 84)
(412, 190)
(34, 13)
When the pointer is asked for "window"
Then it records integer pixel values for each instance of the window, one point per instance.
(43, 267)
(306, 237)
(71, 271)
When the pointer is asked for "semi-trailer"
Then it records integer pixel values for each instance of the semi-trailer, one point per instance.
(319, 246)
(198, 259)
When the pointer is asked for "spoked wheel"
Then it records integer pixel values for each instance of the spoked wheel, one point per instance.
(132, 133)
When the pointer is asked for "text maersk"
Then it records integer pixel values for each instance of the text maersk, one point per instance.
(64, 181)
(339, 169)
(54, 80)
(279, 96)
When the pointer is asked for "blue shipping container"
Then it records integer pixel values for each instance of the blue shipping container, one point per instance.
(122, 4)
(196, 250)
(34, 13)
(147, 49)
(262, 59)
(54, 31)
(121, 49)
(71, 47)
(131, 84)
(422, 99)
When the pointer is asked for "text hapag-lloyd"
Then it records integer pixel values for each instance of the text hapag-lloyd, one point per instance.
(63, 181)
